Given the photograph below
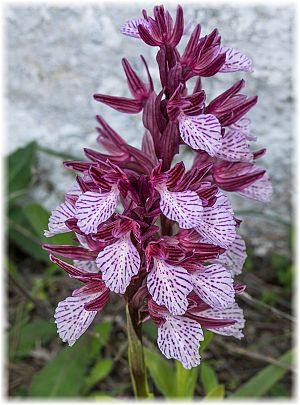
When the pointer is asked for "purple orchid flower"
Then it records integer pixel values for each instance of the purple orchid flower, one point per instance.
(163, 237)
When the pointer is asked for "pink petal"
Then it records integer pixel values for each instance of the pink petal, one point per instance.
(179, 338)
(214, 285)
(243, 125)
(130, 28)
(201, 132)
(234, 257)
(260, 190)
(58, 217)
(218, 225)
(88, 266)
(235, 61)
(94, 208)
(235, 147)
(234, 312)
(169, 285)
(72, 319)
(119, 262)
(184, 207)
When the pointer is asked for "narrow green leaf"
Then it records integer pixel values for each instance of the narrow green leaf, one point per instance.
(99, 395)
(19, 169)
(185, 381)
(98, 373)
(12, 270)
(102, 331)
(207, 339)
(208, 377)
(150, 329)
(61, 155)
(264, 379)
(38, 331)
(64, 375)
(21, 234)
(38, 218)
(216, 393)
(162, 374)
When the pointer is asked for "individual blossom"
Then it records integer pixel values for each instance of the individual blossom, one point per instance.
(162, 237)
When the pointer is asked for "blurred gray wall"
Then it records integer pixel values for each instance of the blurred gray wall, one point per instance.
(57, 57)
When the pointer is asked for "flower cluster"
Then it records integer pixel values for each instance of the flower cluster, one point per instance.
(162, 236)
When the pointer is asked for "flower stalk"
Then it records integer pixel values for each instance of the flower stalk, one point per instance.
(136, 359)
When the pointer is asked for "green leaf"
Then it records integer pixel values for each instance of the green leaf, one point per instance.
(61, 155)
(264, 379)
(19, 169)
(207, 339)
(21, 234)
(161, 372)
(64, 375)
(208, 377)
(100, 335)
(98, 373)
(185, 381)
(216, 393)
(12, 270)
(150, 329)
(38, 218)
(37, 331)
(101, 396)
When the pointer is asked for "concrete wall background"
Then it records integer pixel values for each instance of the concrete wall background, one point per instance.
(58, 57)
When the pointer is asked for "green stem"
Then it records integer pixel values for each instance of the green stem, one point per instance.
(136, 356)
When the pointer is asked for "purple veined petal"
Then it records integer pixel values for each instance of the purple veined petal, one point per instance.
(169, 286)
(234, 312)
(94, 208)
(130, 28)
(218, 225)
(118, 263)
(58, 217)
(179, 338)
(72, 319)
(185, 207)
(88, 266)
(243, 125)
(235, 147)
(234, 257)
(201, 132)
(76, 190)
(235, 61)
(260, 190)
(214, 285)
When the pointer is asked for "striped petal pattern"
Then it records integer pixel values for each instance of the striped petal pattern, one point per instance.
(58, 217)
(218, 225)
(72, 319)
(235, 147)
(235, 61)
(184, 207)
(130, 28)
(88, 266)
(179, 338)
(201, 132)
(243, 125)
(260, 190)
(94, 208)
(214, 285)
(235, 313)
(118, 263)
(169, 286)
(234, 257)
